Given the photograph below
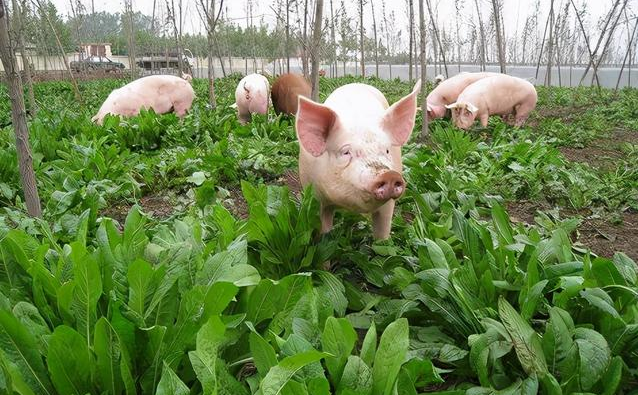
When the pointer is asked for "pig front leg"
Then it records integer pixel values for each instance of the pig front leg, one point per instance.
(484, 118)
(382, 220)
(327, 214)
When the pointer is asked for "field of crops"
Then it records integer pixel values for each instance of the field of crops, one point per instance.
(182, 257)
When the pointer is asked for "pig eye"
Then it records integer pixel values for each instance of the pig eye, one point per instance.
(387, 151)
(345, 151)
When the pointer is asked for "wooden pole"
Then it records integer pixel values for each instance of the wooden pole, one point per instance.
(19, 118)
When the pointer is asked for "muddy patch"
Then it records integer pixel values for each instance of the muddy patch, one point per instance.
(604, 152)
(600, 235)
(160, 207)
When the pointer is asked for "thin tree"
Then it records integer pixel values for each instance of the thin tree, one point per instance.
(287, 36)
(628, 52)
(316, 49)
(608, 41)
(376, 43)
(437, 36)
(61, 51)
(411, 49)
(600, 39)
(207, 14)
(19, 118)
(361, 30)
(496, 6)
(170, 7)
(18, 23)
(334, 41)
(550, 45)
(458, 6)
(482, 31)
(128, 10)
(424, 127)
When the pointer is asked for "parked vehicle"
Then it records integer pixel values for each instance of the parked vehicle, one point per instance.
(93, 63)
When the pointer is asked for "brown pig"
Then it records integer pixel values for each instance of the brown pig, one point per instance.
(499, 95)
(448, 90)
(162, 93)
(286, 91)
(350, 151)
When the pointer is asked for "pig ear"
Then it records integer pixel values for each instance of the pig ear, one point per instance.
(398, 120)
(313, 123)
(472, 108)
(451, 106)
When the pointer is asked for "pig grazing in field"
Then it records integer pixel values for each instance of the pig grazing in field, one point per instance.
(251, 97)
(350, 151)
(162, 93)
(286, 91)
(499, 95)
(447, 91)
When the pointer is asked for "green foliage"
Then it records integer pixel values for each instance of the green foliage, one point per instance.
(230, 293)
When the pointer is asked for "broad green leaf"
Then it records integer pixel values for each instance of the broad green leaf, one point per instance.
(272, 299)
(502, 224)
(279, 375)
(557, 341)
(264, 355)
(531, 301)
(369, 346)
(107, 352)
(594, 354)
(170, 384)
(601, 300)
(87, 291)
(626, 266)
(389, 357)
(526, 341)
(338, 339)
(356, 378)
(140, 279)
(606, 273)
(19, 347)
(613, 375)
(204, 358)
(69, 361)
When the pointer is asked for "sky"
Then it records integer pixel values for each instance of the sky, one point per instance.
(515, 11)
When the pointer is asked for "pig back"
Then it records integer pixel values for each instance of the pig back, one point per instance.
(499, 93)
(286, 90)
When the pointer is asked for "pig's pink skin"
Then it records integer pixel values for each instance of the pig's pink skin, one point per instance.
(251, 97)
(499, 95)
(162, 93)
(350, 151)
(449, 90)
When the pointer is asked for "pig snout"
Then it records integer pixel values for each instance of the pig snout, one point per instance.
(389, 185)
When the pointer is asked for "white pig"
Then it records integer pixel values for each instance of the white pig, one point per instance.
(162, 93)
(251, 97)
(447, 91)
(499, 95)
(350, 151)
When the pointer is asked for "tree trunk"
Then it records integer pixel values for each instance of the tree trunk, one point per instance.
(19, 119)
(26, 65)
(128, 8)
(65, 61)
(304, 41)
(363, 64)
(334, 42)
(550, 45)
(316, 43)
(424, 127)
(411, 22)
(608, 41)
(600, 39)
(627, 54)
(287, 36)
(482, 31)
(499, 38)
(436, 36)
(540, 54)
(376, 43)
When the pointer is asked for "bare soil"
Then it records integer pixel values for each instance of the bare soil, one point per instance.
(598, 234)
(155, 205)
(601, 153)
